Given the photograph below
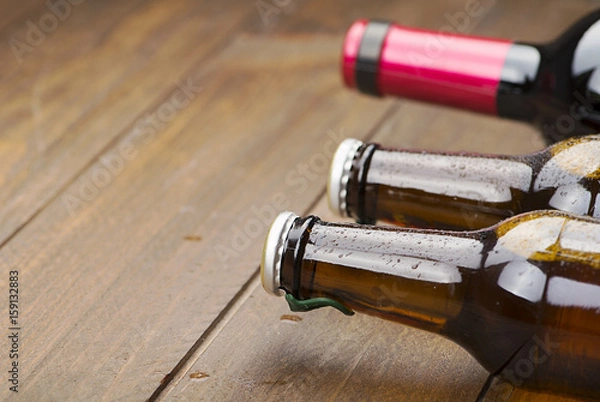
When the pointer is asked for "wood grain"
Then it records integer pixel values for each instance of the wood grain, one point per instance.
(62, 115)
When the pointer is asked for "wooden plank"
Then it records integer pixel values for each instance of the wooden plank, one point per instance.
(62, 117)
(11, 14)
(29, 51)
(115, 295)
(301, 16)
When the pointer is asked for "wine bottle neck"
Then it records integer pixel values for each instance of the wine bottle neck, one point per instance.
(403, 275)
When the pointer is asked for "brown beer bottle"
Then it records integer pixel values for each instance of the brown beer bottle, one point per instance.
(523, 297)
(462, 190)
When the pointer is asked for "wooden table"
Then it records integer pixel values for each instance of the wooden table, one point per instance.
(145, 148)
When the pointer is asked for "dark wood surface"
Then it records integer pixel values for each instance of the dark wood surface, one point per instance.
(145, 149)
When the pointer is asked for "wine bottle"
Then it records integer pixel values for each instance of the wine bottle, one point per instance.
(554, 86)
(523, 297)
(462, 190)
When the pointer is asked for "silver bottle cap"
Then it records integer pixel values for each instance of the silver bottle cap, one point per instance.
(270, 267)
(337, 186)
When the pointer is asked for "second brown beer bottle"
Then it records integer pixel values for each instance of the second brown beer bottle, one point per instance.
(523, 296)
(462, 190)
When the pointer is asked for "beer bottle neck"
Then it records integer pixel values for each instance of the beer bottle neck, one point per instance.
(428, 189)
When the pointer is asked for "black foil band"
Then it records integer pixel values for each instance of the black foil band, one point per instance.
(299, 234)
(364, 163)
(355, 198)
(369, 53)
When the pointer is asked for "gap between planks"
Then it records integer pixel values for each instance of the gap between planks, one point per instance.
(219, 45)
(174, 377)
(210, 334)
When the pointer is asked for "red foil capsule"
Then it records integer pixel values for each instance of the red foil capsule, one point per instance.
(381, 58)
